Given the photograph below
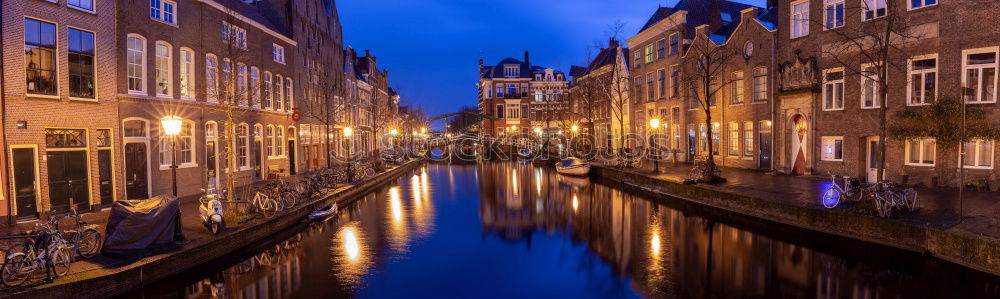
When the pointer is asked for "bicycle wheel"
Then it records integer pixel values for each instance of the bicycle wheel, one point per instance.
(268, 206)
(89, 244)
(831, 198)
(369, 173)
(884, 205)
(15, 270)
(290, 198)
(61, 260)
(910, 198)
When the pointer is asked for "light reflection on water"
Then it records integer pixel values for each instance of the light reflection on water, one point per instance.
(504, 230)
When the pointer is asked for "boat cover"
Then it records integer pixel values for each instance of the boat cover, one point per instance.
(143, 223)
(571, 162)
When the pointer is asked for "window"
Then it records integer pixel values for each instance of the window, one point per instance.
(242, 140)
(748, 139)
(675, 43)
(736, 96)
(269, 140)
(499, 90)
(524, 111)
(499, 111)
(833, 89)
(288, 94)
(661, 50)
(235, 34)
(979, 78)
(760, 84)
(649, 53)
(279, 142)
(638, 89)
(662, 78)
(162, 10)
(279, 91)
(978, 154)
(267, 91)
(703, 139)
(255, 87)
(278, 53)
(187, 73)
(834, 11)
(243, 94)
(511, 71)
(734, 139)
(920, 152)
(923, 80)
(40, 57)
(513, 111)
(134, 128)
(675, 81)
(512, 90)
(81, 63)
(800, 18)
(716, 138)
(914, 4)
(650, 89)
(211, 130)
(212, 77)
(869, 87)
(637, 60)
(185, 146)
(87, 5)
(873, 9)
(162, 69)
(136, 63)
(538, 96)
(833, 148)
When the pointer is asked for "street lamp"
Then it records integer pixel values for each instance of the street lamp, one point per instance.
(171, 128)
(347, 137)
(655, 124)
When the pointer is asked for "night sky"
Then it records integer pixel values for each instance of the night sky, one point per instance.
(431, 47)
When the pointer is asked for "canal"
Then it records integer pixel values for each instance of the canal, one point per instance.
(505, 230)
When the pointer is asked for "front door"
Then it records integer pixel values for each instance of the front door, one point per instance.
(106, 185)
(291, 156)
(67, 171)
(873, 157)
(692, 139)
(306, 151)
(257, 164)
(136, 180)
(25, 191)
(765, 146)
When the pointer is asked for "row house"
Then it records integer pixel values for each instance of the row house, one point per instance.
(829, 103)
(601, 99)
(369, 105)
(521, 97)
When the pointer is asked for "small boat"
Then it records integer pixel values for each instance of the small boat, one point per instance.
(325, 211)
(573, 166)
(524, 154)
(543, 161)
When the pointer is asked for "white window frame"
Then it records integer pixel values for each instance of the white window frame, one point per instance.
(167, 69)
(925, 99)
(975, 153)
(267, 92)
(92, 8)
(672, 40)
(278, 53)
(837, 84)
(980, 67)
(873, 7)
(760, 88)
(243, 153)
(748, 145)
(165, 154)
(187, 73)
(279, 143)
(876, 102)
(279, 93)
(242, 85)
(833, 6)
(162, 11)
(289, 98)
(141, 65)
(923, 4)
(799, 20)
(254, 88)
(211, 78)
(828, 148)
(920, 151)
(736, 93)
(650, 53)
(734, 139)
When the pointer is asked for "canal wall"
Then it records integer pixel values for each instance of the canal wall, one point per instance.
(116, 280)
(958, 246)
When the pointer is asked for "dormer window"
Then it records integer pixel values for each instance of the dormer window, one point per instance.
(538, 77)
(511, 71)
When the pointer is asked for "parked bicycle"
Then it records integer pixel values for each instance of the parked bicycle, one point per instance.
(45, 246)
(265, 205)
(851, 190)
(891, 196)
(84, 237)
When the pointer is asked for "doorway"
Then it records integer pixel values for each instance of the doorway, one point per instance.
(873, 155)
(692, 139)
(291, 157)
(25, 182)
(257, 160)
(136, 171)
(105, 180)
(765, 145)
(68, 180)
(799, 145)
(211, 164)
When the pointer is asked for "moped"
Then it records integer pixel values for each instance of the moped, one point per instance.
(210, 210)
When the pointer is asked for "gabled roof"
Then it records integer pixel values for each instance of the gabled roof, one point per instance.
(698, 13)
(606, 56)
(497, 71)
(253, 13)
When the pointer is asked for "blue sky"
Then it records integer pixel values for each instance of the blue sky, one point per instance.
(431, 47)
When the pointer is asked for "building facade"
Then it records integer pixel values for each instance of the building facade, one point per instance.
(601, 98)
(521, 97)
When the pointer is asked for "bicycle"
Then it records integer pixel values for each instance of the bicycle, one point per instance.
(891, 196)
(835, 193)
(20, 266)
(85, 238)
(263, 204)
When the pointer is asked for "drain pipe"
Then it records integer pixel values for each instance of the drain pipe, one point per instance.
(4, 178)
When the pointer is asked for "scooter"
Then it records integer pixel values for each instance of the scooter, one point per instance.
(210, 210)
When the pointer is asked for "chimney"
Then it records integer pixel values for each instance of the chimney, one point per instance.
(748, 14)
(612, 43)
(368, 52)
(480, 63)
(527, 60)
(701, 30)
(715, 16)
(772, 4)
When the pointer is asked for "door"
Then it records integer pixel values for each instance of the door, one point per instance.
(765, 145)
(25, 191)
(873, 155)
(306, 151)
(210, 159)
(291, 156)
(136, 179)
(104, 180)
(67, 172)
(692, 140)
(257, 164)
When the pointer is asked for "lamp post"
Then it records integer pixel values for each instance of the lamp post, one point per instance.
(347, 137)
(655, 124)
(171, 128)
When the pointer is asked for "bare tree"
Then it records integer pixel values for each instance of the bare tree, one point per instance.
(706, 64)
(328, 107)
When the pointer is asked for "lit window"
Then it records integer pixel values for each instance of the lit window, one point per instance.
(923, 80)
(716, 138)
(288, 94)
(979, 78)
(242, 140)
(278, 53)
(40, 56)
(760, 84)
(81, 63)
(800, 18)
(920, 152)
(748, 139)
(187, 73)
(736, 95)
(833, 90)
(833, 148)
(834, 11)
(163, 10)
(649, 53)
(212, 77)
(267, 90)
(978, 154)
(136, 63)
(163, 69)
(734, 139)
(279, 91)
(914, 4)
(873, 9)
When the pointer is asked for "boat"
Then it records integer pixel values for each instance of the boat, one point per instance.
(321, 213)
(543, 161)
(573, 166)
(524, 154)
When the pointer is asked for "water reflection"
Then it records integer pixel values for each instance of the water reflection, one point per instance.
(510, 230)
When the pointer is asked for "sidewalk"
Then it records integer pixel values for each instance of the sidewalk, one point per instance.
(937, 207)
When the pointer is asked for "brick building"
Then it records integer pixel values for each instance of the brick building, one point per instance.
(600, 98)
(510, 89)
(60, 117)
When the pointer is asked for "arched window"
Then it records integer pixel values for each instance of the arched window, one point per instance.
(242, 140)
(269, 140)
(136, 63)
(211, 129)
(135, 128)
(187, 73)
(211, 77)
(255, 87)
(163, 69)
(279, 90)
(288, 94)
